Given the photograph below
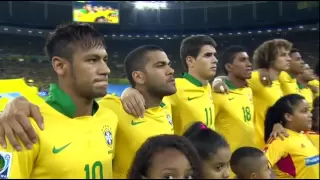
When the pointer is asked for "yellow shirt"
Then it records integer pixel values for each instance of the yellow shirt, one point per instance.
(12, 88)
(263, 98)
(314, 138)
(191, 103)
(68, 148)
(307, 94)
(234, 116)
(133, 132)
(288, 83)
(315, 83)
(294, 157)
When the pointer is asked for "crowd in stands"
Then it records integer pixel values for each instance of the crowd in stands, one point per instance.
(23, 56)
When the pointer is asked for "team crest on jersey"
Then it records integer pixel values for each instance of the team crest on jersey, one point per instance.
(169, 119)
(5, 164)
(107, 133)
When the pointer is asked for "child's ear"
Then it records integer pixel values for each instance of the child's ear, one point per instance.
(253, 176)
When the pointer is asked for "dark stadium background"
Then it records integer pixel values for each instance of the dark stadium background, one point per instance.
(24, 25)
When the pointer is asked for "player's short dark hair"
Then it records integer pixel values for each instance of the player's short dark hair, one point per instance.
(244, 161)
(266, 53)
(206, 141)
(136, 60)
(191, 46)
(153, 145)
(276, 113)
(227, 57)
(66, 38)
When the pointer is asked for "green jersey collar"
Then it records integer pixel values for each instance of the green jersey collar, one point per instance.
(230, 86)
(192, 79)
(300, 86)
(63, 103)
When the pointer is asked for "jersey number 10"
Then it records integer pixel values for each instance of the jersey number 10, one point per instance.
(208, 116)
(94, 167)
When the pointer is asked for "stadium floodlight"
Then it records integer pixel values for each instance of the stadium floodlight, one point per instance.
(150, 5)
(301, 27)
(6, 29)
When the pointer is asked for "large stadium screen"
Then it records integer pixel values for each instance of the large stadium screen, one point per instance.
(96, 12)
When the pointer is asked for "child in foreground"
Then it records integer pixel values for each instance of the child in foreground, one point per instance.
(250, 163)
(294, 157)
(166, 157)
(213, 150)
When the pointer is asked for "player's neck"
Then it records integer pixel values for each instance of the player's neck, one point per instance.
(239, 83)
(84, 105)
(150, 99)
(198, 77)
(302, 81)
(294, 74)
(274, 74)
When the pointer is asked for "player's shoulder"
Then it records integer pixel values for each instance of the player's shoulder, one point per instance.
(112, 102)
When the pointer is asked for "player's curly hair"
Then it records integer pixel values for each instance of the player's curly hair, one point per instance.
(265, 55)
(143, 159)
(67, 37)
(276, 113)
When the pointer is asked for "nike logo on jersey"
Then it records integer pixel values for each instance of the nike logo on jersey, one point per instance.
(58, 150)
(133, 123)
(191, 98)
(231, 99)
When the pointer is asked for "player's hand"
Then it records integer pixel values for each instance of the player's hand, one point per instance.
(14, 123)
(279, 131)
(265, 78)
(219, 86)
(133, 102)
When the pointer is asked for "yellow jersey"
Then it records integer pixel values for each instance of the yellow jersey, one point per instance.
(315, 83)
(314, 138)
(234, 116)
(133, 132)
(12, 88)
(307, 94)
(288, 83)
(294, 157)
(68, 148)
(263, 98)
(192, 102)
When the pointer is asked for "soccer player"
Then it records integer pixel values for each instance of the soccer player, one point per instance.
(294, 157)
(148, 71)
(73, 119)
(287, 78)
(234, 111)
(303, 80)
(166, 157)
(193, 99)
(274, 56)
(213, 149)
(314, 84)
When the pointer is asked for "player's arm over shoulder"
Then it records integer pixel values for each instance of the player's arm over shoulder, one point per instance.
(111, 102)
(218, 101)
(254, 82)
(275, 149)
(18, 164)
